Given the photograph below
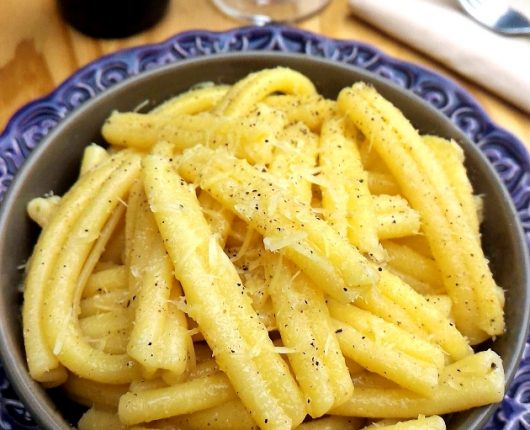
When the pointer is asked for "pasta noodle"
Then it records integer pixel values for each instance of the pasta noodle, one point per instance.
(259, 256)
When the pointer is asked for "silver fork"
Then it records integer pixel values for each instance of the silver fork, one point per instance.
(497, 15)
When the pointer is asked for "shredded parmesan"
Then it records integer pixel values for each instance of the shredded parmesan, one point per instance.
(181, 304)
(168, 207)
(59, 342)
(194, 331)
(253, 265)
(286, 147)
(135, 272)
(141, 105)
(284, 350)
(327, 345)
(249, 236)
(295, 276)
(317, 180)
(244, 210)
(275, 243)
(201, 85)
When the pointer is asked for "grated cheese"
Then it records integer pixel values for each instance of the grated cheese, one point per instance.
(317, 180)
(247, 242)
(141, 105)
(284, 350)
(275, 243)
(193, 331)
(181, 304)
(59, 342)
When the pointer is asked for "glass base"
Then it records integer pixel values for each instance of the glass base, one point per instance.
(261, 12)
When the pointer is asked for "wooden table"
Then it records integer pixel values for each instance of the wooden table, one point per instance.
(38, 50)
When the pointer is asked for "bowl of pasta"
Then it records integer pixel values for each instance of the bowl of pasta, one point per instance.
(260, 240)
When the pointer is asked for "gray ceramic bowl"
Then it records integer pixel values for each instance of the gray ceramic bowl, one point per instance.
(54, 165)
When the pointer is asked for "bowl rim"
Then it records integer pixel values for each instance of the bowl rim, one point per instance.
(19, 376)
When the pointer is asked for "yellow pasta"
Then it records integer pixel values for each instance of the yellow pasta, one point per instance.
(219, 218)
(451, 157)
(179, 399)
(346, 199)
(221, 317)
(158, 339)
(423, 269)
(467, 276)
(395, 218)
(382, 183)
(111, 342)
(96, 326)
(409, 372)
(257, 86)
(98, 419)
(333, 423)
(114, 251)
(90, 393)
(93, 155)
(397, 302)
(323, 378)
(475, 380)
(442, 302)
(43, 364)
(143, 131)
(58, 318)
(422, 423)
(105, 281)
(300, 309)
(371, 159)
(200, 99)
(330, 261)
(96, 254)
(105, 302)
(312, 110)
(259, 256)
(417, 243)
(387, 334)
(294, 160)
(41, 209)
(231, 415)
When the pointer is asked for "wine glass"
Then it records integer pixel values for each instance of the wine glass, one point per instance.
(261, 12)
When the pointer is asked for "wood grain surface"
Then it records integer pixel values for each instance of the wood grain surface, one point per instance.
(38, 50)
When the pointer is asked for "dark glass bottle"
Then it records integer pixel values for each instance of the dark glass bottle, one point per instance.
(112, 18)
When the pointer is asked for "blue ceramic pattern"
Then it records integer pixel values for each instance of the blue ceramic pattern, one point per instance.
(507, 154)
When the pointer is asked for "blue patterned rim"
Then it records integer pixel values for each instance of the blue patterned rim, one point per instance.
(505, 152)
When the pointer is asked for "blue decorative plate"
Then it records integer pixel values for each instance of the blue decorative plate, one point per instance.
(507, 154)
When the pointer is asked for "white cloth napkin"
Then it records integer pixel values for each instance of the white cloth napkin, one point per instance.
(440, 29)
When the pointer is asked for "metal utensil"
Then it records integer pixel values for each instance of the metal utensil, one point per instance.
(497, 15)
